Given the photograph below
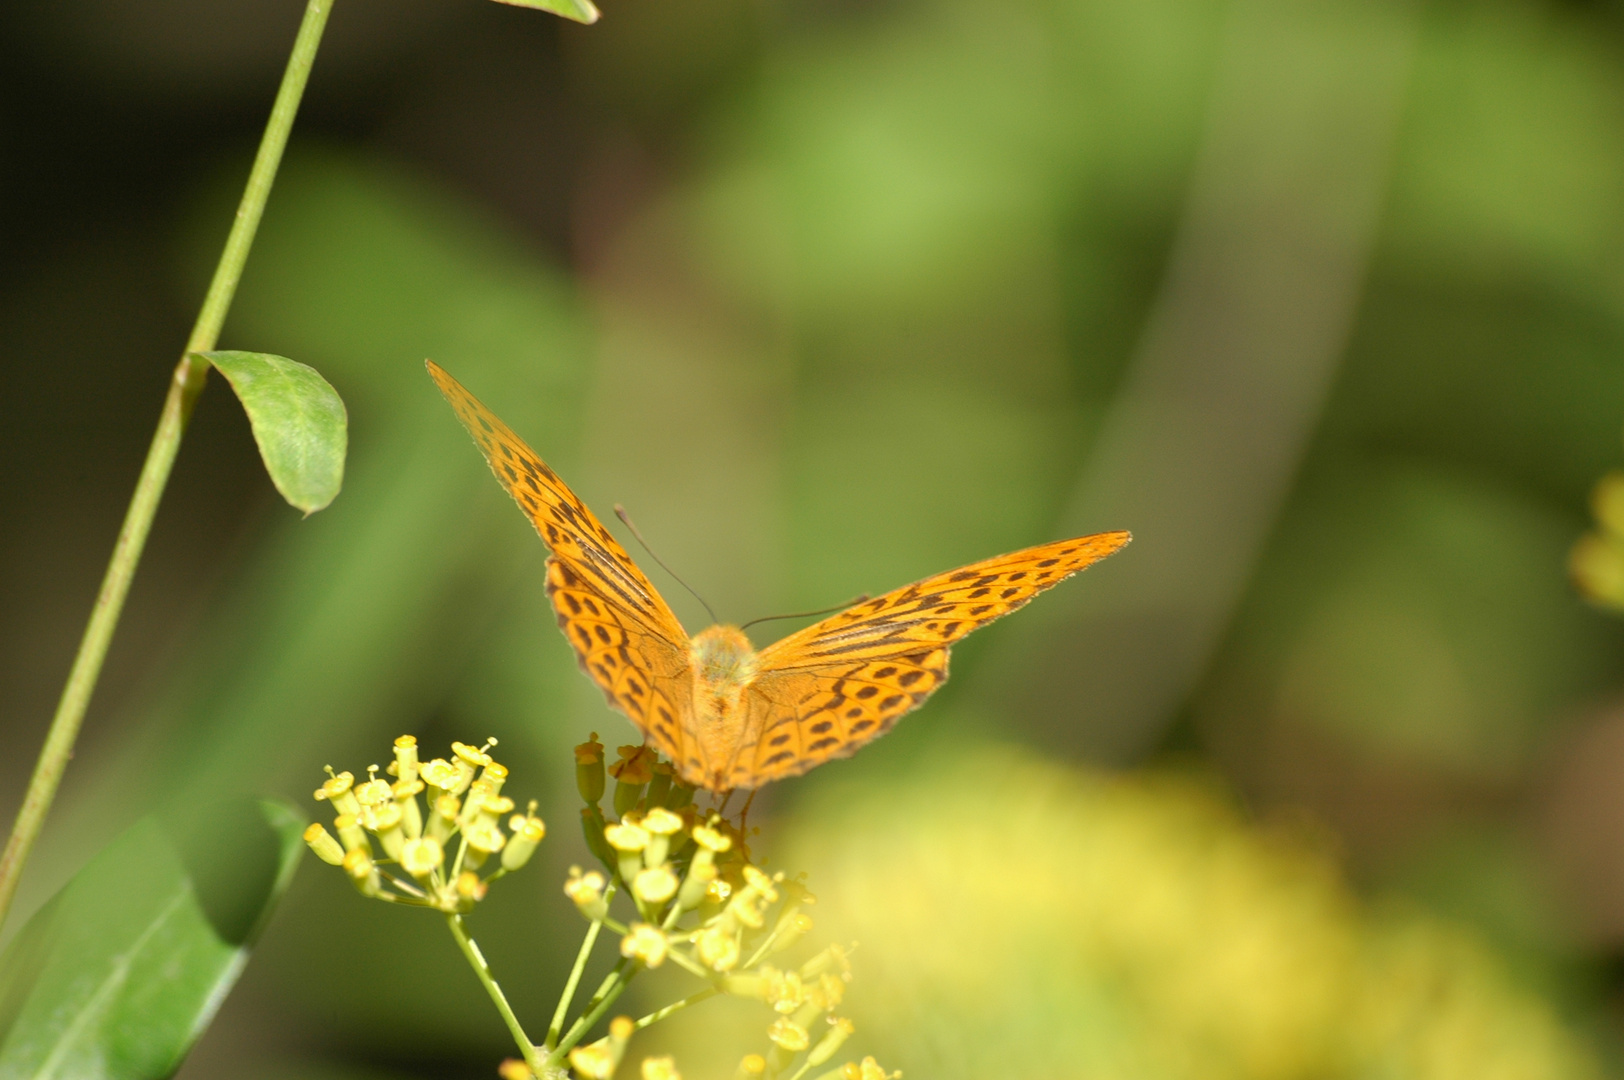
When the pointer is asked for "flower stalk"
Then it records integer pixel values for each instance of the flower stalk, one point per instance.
(189, 377)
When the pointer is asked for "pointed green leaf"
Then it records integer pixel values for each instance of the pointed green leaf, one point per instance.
(581, 11)
(118, 975)
(298, 420)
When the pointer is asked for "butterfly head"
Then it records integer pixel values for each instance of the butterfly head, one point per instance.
(723, 656)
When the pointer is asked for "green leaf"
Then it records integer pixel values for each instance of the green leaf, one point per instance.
(299, 423)
(581, 11)
(118, 975)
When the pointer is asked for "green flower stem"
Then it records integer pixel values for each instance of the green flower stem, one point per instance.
(476, 960)
(676, 1006)
(614, 984)
(184, 388)
(591, 939)
(688, 964)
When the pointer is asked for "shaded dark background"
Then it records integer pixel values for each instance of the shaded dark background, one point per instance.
(1324, 301)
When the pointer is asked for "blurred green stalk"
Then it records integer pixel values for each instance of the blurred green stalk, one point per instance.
(190, 375)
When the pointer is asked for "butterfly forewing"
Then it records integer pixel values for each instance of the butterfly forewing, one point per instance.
(624, 635)
(826, 690)
(818, 694)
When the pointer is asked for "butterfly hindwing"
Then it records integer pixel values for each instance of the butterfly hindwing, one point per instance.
(825, 691)
(811, 715)
(642, 674)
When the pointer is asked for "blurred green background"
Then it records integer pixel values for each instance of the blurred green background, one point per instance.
(1323, 299)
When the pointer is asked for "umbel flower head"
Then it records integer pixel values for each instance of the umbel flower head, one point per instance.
(431, 838)
(702, 905)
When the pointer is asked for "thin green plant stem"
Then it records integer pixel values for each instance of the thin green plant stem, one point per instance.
(568, 996)
(184, 388)
(676, 1006)
(614, 984)
(476, 960)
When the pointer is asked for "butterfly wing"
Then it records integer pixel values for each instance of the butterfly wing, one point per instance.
(625, 636)
(825, 691)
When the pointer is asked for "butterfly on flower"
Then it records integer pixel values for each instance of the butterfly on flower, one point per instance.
(727, 715)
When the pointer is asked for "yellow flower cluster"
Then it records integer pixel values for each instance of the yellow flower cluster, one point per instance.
(703, 906)
(1021, 918)
(462, 807)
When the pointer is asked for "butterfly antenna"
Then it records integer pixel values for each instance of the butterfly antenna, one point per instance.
(620, 512)
(807, 614)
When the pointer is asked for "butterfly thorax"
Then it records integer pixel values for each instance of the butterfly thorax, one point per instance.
(724, 663)
(723, 659)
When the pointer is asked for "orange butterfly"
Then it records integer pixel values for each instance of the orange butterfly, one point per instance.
(726, 715)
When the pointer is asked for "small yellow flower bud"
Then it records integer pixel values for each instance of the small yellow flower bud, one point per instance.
(659, 785)
(661, 825)
(593, 1062)
(751, 1068)
(466, 760)
(621, 1029)
(587, 893)
(405, 769)
(514, 1069)
(589, 769)
(628, 841)
(406, 792)
(655, 885)
(634, 769)
(831, 959)
(646, 944)
(528, 831)
(840, 1030)
(626, 837)
(374, 791)
(421, 857)
(746, 907)
(469, 886)
(714, 839)
(337, 790)
(700, 876)
(322, 843)
(718, 948)
(662, 821)
(784, 991)
(761, 883)
(636, 765)
(443, 818)
(358, 864)
(441, 775)
(870, 1070)
(791, 928)
(494, 806)
(828, 992)
(384, 819)
(494, 775)
(484, 839)
(789, 1035)
(351, 833)
(472, 755)
(660, 1068)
